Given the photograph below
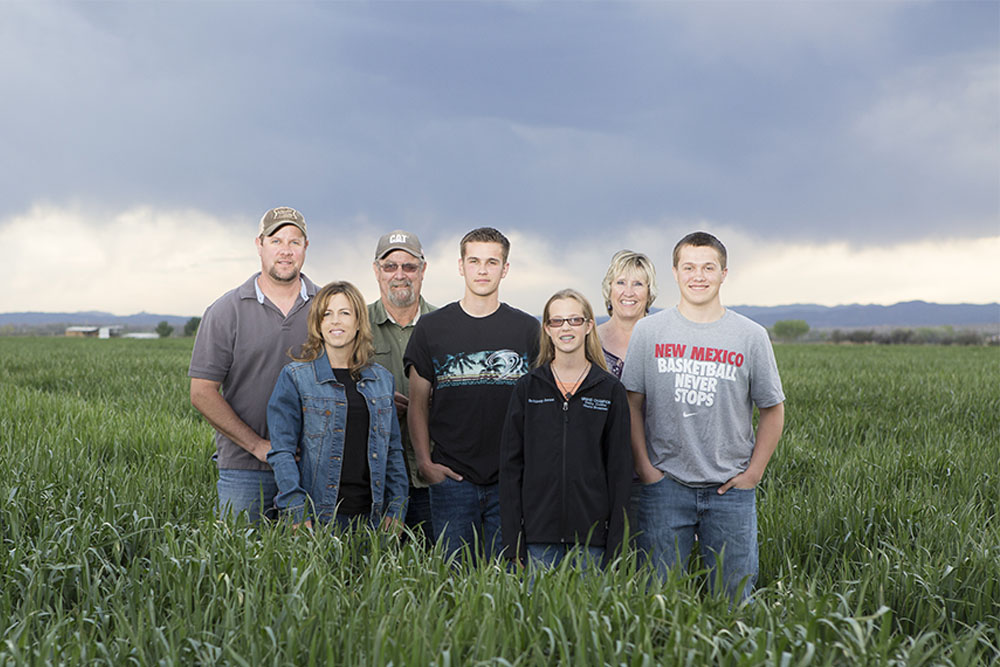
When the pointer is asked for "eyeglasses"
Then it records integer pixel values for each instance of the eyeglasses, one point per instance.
(390, 267)
(556, 322)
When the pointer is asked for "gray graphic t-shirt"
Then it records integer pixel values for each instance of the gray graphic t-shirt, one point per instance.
(701, 381)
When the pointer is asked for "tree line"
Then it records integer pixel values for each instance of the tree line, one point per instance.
(799, 330)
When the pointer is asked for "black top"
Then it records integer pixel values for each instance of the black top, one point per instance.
(355, 495)
(472, 364)
(566, 464)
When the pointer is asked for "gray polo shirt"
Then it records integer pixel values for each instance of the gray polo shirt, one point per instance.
(390, 341)
(243, 343)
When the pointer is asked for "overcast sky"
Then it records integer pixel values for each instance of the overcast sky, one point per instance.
(845, 152)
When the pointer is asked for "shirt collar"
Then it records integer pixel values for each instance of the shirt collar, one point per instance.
(382, 315)
(389, 317)
(260, 294)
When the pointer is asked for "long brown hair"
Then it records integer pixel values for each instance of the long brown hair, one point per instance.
(363, 349)
(591, 344)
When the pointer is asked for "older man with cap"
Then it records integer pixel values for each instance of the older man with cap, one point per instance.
(241, 346)
(399, 269)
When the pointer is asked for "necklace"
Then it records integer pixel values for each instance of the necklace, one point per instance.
(576, 384)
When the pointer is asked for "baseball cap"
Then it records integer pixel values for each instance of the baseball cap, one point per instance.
(278, 217)
(399, 240)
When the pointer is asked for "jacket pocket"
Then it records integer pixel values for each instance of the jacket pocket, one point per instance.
(317, 416)
(382, 411)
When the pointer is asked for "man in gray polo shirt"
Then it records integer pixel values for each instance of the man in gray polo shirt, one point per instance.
(241, 346)
(399, 269)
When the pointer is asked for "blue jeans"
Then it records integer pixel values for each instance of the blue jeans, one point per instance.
(671, 515)
(463, 513)
(418, 513)
(547, 556)
(248, 492)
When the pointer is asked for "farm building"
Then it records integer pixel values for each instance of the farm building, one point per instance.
(82, 332)
(113, 331)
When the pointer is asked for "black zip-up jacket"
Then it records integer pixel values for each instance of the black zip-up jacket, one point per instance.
(565, 465)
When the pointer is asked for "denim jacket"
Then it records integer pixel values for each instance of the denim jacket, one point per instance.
(308, 412)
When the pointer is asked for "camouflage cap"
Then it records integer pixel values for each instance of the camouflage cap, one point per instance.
(279, 217)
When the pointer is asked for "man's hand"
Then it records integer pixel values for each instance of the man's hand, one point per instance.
(261, 449)
(434, 473)
(648, 474)
(745, 480)
(402, 402)
(769, 427)
(205, 397)
(640, 458)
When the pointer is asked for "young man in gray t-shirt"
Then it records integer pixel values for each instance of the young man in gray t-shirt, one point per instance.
(693, 374)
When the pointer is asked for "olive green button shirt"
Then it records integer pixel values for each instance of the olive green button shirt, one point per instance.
(390, 343)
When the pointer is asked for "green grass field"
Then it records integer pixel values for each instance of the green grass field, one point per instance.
(880, 542)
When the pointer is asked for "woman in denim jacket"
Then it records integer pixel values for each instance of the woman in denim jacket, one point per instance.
(335, 407)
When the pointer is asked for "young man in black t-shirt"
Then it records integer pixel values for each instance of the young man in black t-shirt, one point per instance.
(468, 354)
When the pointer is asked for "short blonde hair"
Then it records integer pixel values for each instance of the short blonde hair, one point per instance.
(628, 261)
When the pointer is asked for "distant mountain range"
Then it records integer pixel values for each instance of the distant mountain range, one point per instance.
(908, 314)
(902, 315)
(91, 317)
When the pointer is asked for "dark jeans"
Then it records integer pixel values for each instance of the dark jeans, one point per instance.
(671, 515)
(632, 514)
(418, 513)
(464, 513)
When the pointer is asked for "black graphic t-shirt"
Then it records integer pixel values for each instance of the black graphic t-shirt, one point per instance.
(472, 364)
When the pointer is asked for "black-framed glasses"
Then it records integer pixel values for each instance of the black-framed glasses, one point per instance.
(556, 322)
(408, 267)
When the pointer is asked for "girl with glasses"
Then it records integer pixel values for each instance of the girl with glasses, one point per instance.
(565, 457)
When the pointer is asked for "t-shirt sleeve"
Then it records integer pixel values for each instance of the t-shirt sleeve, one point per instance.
(417, 354)
(633, 374)
(765, 383)
(212, 356)
(534, 340)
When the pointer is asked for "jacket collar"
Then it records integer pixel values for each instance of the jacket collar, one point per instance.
(321, 367)
(544, 373)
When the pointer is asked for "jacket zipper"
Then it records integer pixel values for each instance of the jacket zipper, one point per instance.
(562, 516)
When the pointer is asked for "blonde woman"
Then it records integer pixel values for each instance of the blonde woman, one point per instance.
(335, 407)
(629, 289)
(565, 458)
